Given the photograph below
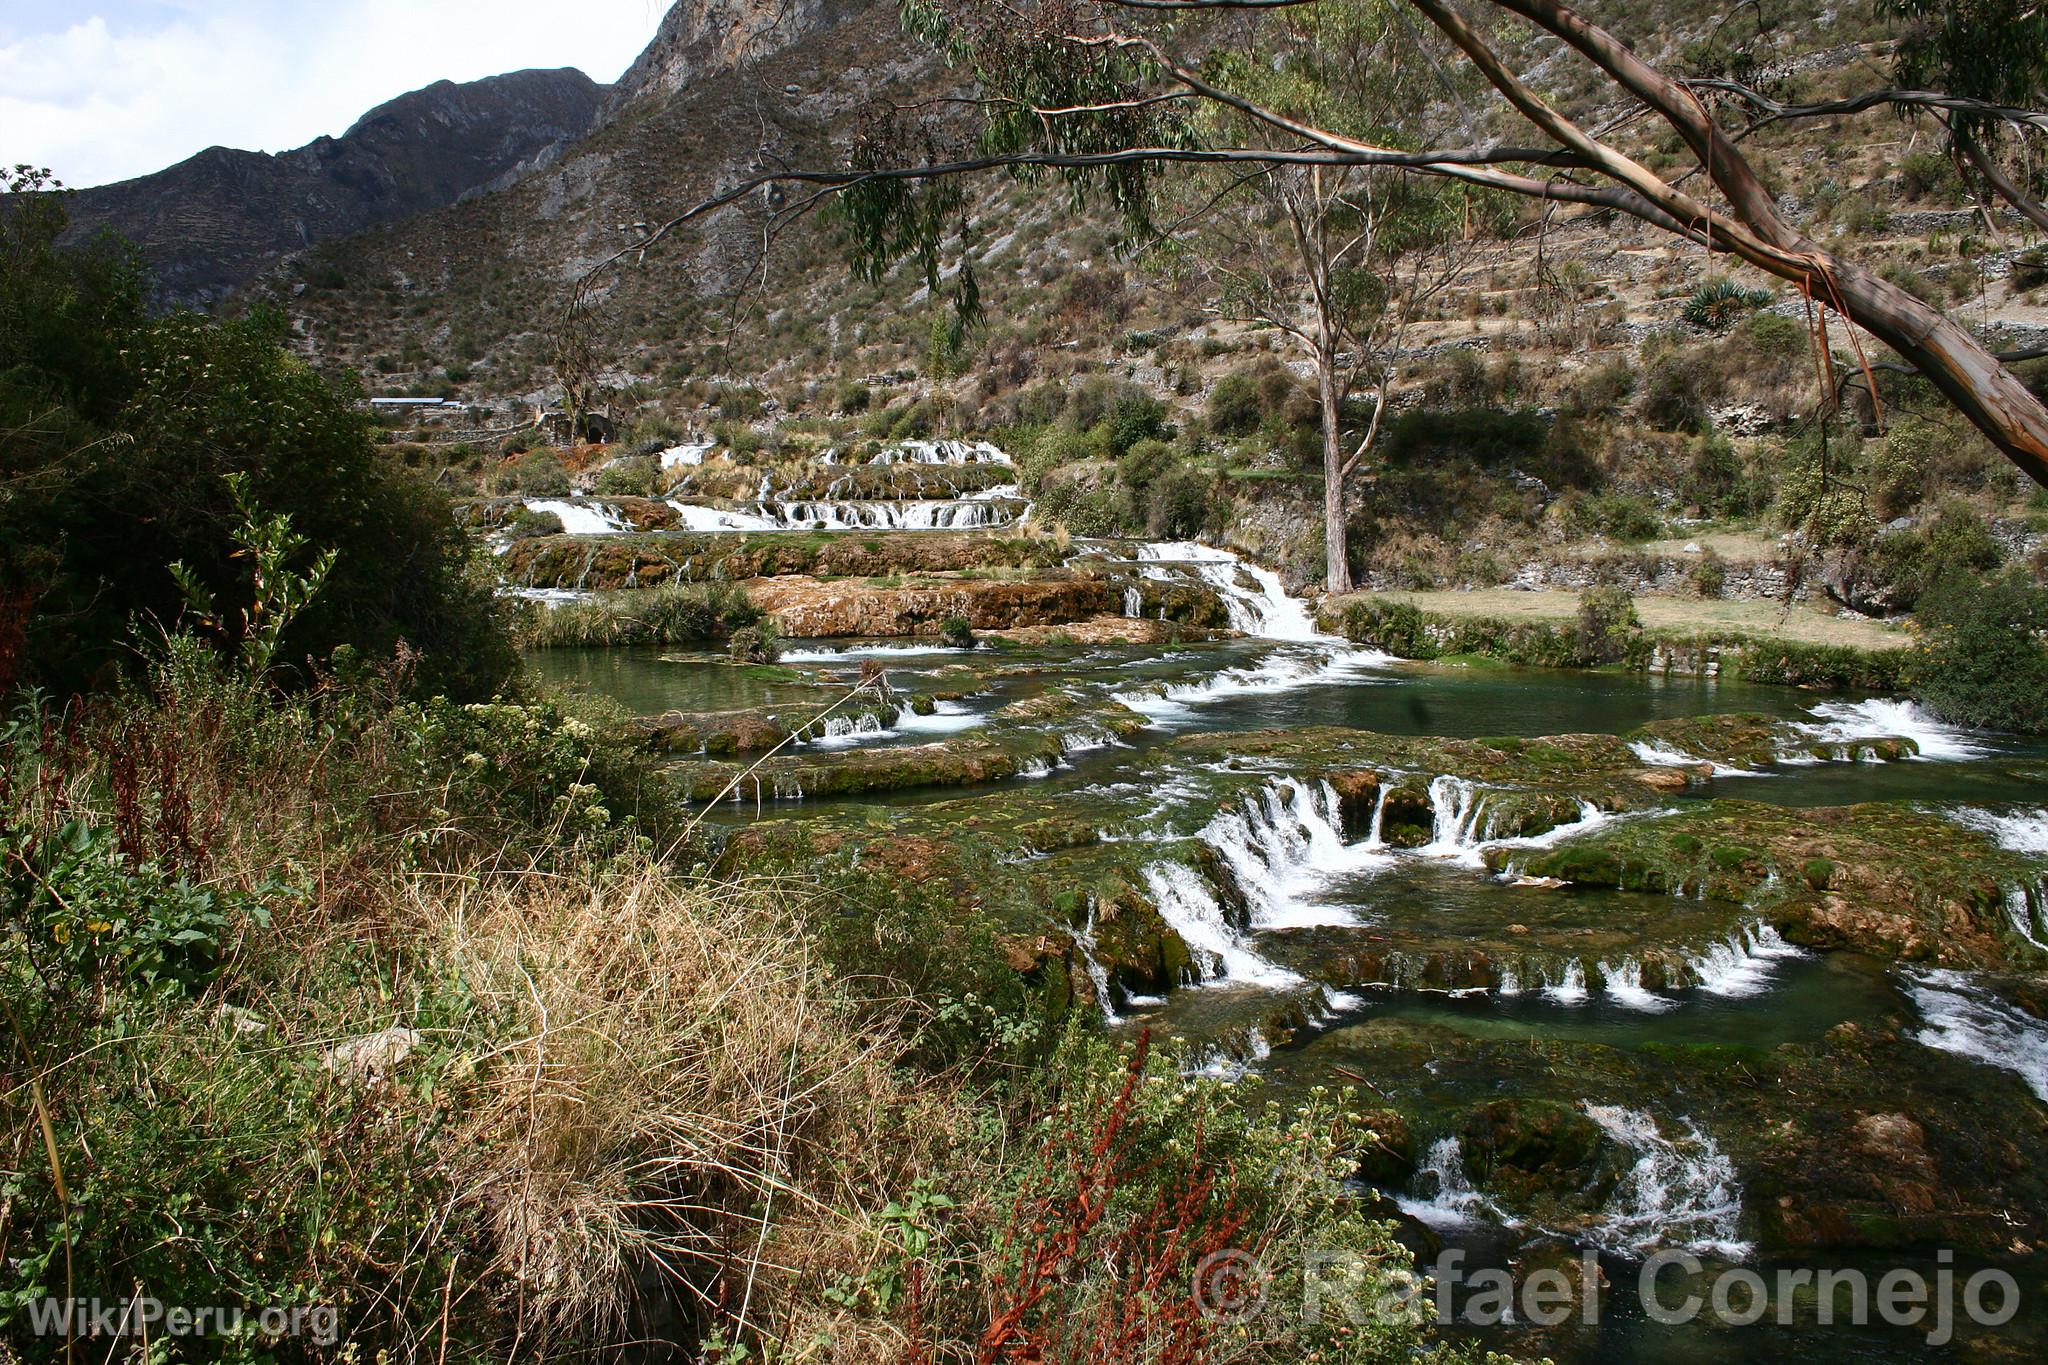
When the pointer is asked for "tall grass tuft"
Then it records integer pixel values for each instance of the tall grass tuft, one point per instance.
(674, 613)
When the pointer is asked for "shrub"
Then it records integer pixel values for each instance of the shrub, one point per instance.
(1709, 574)
(759, 643)
(1607, 622)
(1984, 661)
(958, 632)
(632, 476)
(1233, 408)
(1669, 397)
(1623, 516)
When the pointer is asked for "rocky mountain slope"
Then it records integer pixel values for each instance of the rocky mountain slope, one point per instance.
(211, 223)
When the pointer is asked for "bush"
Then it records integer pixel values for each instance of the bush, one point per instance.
(1669, 397)
(673, 613)
(759, 643)
(1606, 624)
(1983, 661)
(1709, 574)
(958, 632)
(1623, 516)
(632, 476)
(123, 430)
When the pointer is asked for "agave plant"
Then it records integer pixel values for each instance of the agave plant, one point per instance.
(1717, 304)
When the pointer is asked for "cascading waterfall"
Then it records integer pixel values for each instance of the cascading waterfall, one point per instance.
(1743, 963)
(1846, 722)
(1444, 1197)
(1260, 606)
(2019, 831)
(839, 732)
(1281, 844)
(582, 518)
(1964, 1016)
(1000, 508)
(1455, 804)
(1679, 1193)
(2023, 906)
(1189, 906)
(1098, 975)
(941, 452)
(1623, 983)
(1570, 986)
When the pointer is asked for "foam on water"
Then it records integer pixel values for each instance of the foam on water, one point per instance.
(842, 732)
(1846, 722)
(1188, 905)
(1664, 756)
(697, 517)
(1966, 1017)
(1681, 1192)
(582, 518)
(1623, 982)
(1255, 598)
(949, 718)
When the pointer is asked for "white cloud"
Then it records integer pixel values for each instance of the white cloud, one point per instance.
(132, 86)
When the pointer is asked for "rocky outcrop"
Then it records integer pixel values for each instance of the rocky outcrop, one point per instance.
(213, 222)
(700, 38)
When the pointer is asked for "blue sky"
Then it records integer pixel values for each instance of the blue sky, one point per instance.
(103, 90)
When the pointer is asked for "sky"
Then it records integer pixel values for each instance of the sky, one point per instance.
(104, 90)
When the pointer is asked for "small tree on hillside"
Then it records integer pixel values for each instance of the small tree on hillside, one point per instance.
(1343, 260)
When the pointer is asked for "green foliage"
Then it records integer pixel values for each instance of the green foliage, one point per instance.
(1984, 661)
(673, 613)
(957, 631)
(1623, 516)
(122, 430)
(1718, 304)
(630, 476)
(278, 592)
(1906, 563)
(1607, 624)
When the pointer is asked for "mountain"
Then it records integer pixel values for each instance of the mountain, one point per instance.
(210, 224)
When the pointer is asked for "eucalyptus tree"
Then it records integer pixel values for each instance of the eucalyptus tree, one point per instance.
(1102, 94)
(1341, 260)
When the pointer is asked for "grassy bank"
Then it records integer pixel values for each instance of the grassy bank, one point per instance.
(1754, 641)
(426, 1018)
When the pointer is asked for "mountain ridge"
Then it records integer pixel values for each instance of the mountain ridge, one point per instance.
(215, 221)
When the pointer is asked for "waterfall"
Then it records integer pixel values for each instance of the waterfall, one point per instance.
(839, 732)
(582, 519)
(1679, 1193)
(688, 453)
(1965, 1016)
(1188, 905)
(1375, 836)
(941, 452)
(1845, 722)
(1570, 987)
(2019, 832)
(1664, 756)
(997, 508)
(2020, 907)
(1623, 982)
(1084, 939)
(1455, 803)
(1444, 1197)
(1281, 844)
(1743, 963)
(1134, 602)
(1260, 606)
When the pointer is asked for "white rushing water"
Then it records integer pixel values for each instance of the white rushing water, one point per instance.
(1098, 975)
(1743, 963)
(2020, 831)
(941, 452)
(687, 454)
(841, 732)
(1966, 1017)
(1258, 603)
(1282, 671)
(1623, 983)
(1189, 906)
(1282, 845)
(1681, 1192)
(828, 656)
(1664, 756)
(947, 718)
(1847, 722)
(582, 518)
(1444, 1195)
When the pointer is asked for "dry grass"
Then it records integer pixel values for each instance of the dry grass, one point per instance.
(676, 1096)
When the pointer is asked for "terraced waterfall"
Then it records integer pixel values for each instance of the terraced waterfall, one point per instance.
(1614, 964)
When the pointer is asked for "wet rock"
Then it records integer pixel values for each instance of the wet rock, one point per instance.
(1386, 1150)
(1522, 1147)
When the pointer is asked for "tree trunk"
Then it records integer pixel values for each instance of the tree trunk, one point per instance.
(1336, 547)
